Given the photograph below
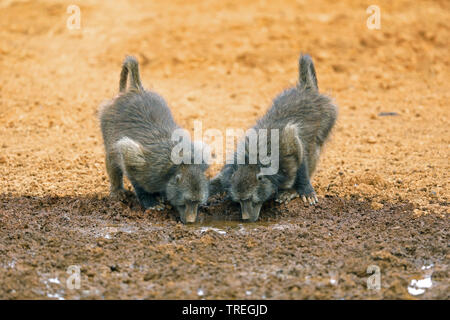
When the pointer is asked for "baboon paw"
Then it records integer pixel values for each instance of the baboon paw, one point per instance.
(310, 198)
(120, 195)
(286, 196)
(158, 207)
(308, 195)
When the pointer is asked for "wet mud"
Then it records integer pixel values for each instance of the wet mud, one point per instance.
(294, 252)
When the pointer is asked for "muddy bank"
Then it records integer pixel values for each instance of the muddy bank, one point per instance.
(294, 252)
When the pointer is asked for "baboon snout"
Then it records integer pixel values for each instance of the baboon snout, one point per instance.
(245, 215)
(188, 212)
(190, 218)
(250, 211)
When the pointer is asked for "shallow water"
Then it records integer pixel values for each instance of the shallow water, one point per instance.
(224, 227)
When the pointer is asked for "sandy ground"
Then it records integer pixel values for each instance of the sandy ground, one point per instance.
(383, 181)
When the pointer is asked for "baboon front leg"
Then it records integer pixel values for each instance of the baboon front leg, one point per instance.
(303, 184)
(146, 199)
(115, 175)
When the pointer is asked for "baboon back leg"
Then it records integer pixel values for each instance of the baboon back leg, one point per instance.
(303, 184)
(146, 199)
(115, 175)
(327, 121)
(313, 159)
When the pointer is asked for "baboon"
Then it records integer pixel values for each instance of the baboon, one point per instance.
(137, 129)
(304, 118)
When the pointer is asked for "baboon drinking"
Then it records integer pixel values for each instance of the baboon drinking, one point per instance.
(137, 129)
(304, 118)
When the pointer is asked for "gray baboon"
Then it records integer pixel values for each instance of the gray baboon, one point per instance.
(137, 129)
(304, 118)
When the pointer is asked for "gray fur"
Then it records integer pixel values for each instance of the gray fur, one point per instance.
(304, 118)
(137, 127)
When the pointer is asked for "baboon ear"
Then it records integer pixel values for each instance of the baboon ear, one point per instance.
(290, 144)
(178, 178)
(131, 151)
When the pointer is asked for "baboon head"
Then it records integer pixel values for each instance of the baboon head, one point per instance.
(186, 186)
(187, 189)
(247, 184)
(251, 189)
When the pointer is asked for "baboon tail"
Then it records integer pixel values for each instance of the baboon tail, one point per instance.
(130, 66)
(307, 73)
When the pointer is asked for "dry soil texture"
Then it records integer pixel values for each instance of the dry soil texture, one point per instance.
(383, 180)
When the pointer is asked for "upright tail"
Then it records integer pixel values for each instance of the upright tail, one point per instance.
(130, 66)
(307, 73)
